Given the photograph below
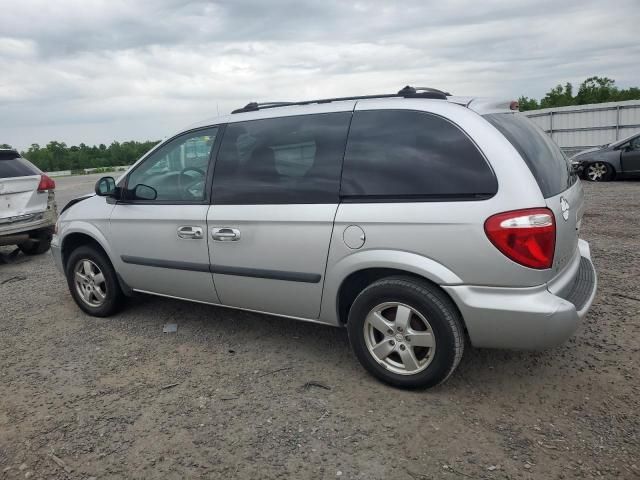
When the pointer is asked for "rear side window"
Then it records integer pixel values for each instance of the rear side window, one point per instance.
(281, 160)
(544, 158)
(405, 155)
(12, 165)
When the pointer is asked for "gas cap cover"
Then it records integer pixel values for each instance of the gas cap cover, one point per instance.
(353, 237)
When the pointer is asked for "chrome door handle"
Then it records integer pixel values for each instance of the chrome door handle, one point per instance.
(190, 232)
(225, 234)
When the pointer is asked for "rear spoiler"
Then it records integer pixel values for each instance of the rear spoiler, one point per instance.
(490, 105)
(484, 105)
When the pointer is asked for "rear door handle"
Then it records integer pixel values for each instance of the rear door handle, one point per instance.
(225, 234)
(190, 232)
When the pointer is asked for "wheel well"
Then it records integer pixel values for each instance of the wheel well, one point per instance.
(75, 240)
(358, 281)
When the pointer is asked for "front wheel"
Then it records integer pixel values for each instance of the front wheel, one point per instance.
(406, 332)
(599, 172)
(93, 282)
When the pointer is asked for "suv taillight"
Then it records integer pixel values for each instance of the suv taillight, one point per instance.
(527, 237)
(46, 183)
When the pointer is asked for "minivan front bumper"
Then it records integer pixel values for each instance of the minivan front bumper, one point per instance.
(528, 318)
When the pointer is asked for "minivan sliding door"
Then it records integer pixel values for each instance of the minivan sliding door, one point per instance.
(275, 194)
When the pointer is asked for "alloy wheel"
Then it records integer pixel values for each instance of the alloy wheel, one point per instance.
(597, 172)
(90, 283)
(399, 338)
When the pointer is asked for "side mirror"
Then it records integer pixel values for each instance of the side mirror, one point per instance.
(105, 187)
(144, 192)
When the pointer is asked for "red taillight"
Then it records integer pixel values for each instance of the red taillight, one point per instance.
(46, 183)
(527, 237)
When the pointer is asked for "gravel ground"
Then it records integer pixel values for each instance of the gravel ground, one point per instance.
(240, 395)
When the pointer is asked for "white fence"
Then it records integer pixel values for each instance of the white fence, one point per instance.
(64, 173)
(579, 127)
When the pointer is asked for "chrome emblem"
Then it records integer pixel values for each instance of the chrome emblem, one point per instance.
(564, 205)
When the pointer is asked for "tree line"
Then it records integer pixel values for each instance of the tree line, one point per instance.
(592, 90)
(56, 156)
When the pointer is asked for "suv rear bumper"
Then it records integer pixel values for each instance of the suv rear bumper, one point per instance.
(44, 221)
(527, 318)
(37, 220)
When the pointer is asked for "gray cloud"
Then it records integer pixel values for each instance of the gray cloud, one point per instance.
(97, 71)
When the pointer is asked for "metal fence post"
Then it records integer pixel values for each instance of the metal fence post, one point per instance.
(617, 122)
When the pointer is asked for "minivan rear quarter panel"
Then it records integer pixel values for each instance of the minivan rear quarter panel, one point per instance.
(450, 233)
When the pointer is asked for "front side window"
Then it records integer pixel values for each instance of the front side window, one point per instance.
(177, 171)
(281, 160)
(404, 155)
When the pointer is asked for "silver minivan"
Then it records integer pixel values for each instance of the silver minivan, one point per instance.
(419, 221)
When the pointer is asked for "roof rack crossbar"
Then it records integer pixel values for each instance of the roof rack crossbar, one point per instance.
(406, 92)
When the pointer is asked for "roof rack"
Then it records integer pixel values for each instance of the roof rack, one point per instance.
(406, 92)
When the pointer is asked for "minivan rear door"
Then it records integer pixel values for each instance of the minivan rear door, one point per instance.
(558, 183)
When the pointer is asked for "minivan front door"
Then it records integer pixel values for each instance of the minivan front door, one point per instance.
(160, 233)
(275, 196)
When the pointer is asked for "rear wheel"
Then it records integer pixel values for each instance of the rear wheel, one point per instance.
(93, 282)
(599, 172)
(37, 245)
(406, 332)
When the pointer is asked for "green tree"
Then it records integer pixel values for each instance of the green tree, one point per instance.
(597, 90)
(558, 97)
(592, 90)
(527, 103)
(58, 156)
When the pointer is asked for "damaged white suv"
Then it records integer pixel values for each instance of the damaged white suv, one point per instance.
(27, 204)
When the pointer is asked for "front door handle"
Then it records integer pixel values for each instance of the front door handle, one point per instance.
(225, 234)
(190, 232)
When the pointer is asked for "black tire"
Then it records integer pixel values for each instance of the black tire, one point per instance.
(114, 298)
(430, 302)
(36, 246)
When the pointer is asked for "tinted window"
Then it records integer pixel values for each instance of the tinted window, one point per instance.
(12, 165)
(178, 169)
(281, 160)
(403, 154)
(544, 158)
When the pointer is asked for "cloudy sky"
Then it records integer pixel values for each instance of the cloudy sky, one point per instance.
(97, 71)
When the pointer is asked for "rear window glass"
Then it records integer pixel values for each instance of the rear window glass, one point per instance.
(544, 158)
(406, 155)
(15, 166)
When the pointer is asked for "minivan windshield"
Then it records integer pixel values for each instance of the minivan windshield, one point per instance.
(544, 158)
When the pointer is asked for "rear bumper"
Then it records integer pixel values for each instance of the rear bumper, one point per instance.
(38, 221)
(47, 220)
(527, 318)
